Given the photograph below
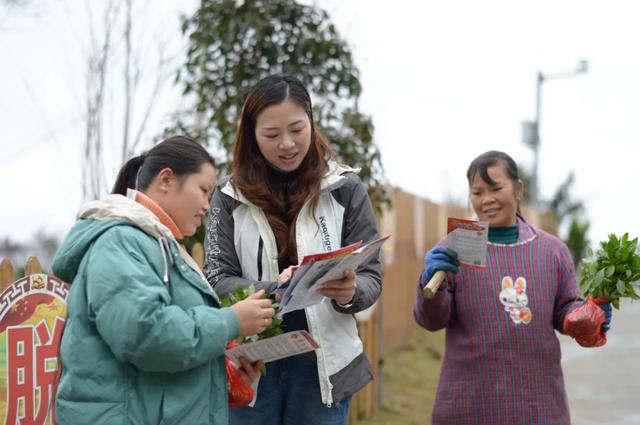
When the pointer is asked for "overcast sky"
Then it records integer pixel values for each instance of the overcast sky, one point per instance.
(443, 81)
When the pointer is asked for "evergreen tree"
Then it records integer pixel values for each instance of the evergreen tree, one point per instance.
(233, 44)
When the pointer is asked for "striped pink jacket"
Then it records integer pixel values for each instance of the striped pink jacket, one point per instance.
(502, 356)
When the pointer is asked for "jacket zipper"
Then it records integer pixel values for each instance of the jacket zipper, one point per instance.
(260, 247)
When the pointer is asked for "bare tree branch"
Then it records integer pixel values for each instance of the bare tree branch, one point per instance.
(93, 166)
(161, 78)
(127, 82)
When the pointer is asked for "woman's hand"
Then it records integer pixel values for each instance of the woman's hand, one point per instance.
(254, 313)
(439, 258)
(606, 307)
(284, 276)
(342, 290)
(249, 371)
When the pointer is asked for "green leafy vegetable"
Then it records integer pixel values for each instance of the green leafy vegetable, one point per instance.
(241, 293)
(610, 273)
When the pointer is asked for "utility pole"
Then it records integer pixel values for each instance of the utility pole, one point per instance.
(531, 130)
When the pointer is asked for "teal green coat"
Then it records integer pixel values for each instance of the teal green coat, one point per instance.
(144, 340)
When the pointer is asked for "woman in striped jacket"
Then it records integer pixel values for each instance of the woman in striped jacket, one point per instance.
(502, 356)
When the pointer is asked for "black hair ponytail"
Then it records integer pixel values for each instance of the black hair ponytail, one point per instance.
(127, 175)
(181, 154)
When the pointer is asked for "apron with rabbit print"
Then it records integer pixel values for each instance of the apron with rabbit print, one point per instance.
(503, 357)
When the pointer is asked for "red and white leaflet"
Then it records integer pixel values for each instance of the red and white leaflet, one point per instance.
(274, 348)
(331, 255)
(322, 256)
(469, 239)
(352, 261)
(302, 291)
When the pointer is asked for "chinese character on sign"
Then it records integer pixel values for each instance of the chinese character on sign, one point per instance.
(32, 316)
(32, 372)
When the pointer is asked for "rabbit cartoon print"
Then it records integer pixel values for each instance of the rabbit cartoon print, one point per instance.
(514, 298)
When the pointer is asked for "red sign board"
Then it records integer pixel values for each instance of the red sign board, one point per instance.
(32, 314)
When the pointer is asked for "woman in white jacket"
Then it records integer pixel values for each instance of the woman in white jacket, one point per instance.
(287, 198)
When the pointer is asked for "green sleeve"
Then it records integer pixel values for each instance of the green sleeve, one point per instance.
(132, 310)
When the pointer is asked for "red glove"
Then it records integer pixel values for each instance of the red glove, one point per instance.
(585, 323)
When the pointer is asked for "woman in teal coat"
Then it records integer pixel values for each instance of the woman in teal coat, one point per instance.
(145, 335)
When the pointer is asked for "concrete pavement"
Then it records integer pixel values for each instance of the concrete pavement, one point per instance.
(603, 384)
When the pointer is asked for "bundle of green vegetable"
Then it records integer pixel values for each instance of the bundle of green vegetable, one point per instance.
(275, 328)
(610, 273)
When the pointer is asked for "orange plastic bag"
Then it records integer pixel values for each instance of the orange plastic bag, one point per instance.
(240, 393)
(585, 323)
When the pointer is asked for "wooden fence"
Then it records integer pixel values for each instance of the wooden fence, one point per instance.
(415, 225)
(8, 273)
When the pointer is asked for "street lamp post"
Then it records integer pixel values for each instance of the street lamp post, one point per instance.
(532, 129)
